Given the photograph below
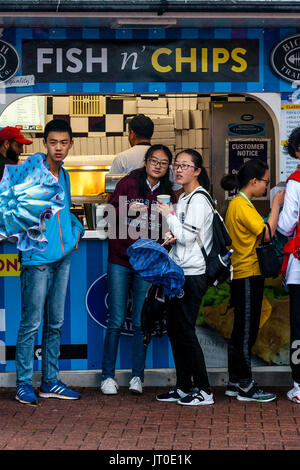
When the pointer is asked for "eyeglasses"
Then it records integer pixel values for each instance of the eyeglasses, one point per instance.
(266, 181)
(154, 162)
(183, 166)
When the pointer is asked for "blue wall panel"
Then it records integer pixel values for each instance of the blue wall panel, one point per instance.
(80, 331)
(268, 38)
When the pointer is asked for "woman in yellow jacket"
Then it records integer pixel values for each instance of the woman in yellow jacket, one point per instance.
(245, 226)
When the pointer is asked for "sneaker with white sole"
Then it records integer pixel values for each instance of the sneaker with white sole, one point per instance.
(197, 397)
(232, 389)
(58, 390)
(109, 386)
(135, 385)
(254, 393)
(173, 395)
(294, 393)
(25, 395)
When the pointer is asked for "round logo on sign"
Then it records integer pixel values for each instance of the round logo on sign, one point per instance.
(247, 117)
(9, 61)
(285, 58)
(97, 305)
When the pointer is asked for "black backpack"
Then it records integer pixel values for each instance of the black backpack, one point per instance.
(218, 269)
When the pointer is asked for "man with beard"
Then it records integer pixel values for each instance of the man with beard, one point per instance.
(11, 146)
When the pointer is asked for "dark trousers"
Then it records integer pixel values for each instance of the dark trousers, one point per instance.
(294, 290)
(247, 295)
(181, 322)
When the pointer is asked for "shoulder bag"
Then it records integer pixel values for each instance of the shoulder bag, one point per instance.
(267, 258)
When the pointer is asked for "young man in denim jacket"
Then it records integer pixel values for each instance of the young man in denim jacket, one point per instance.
(44, 281)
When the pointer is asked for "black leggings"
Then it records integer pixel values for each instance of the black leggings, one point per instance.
(247, 295)
(181, 322)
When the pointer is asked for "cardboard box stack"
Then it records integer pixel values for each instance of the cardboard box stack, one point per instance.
(157, 109)
(180, 122)
(191, 123)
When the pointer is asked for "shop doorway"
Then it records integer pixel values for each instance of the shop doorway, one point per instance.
(240, 130)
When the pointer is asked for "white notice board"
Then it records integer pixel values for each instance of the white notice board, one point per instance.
(28, 114)
(290, 118)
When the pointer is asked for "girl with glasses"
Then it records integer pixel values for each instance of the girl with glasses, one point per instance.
(193, 214)
(245, 226)
(134, 201)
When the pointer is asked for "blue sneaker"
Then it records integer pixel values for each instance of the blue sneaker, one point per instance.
(58, 390)
(25, 394)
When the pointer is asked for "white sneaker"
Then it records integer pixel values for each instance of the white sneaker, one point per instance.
(197, 397)
(109, 386)
(294, 393)
(173, 395)
(135, 385)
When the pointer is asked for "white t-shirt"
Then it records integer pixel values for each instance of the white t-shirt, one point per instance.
(287, 223)
(129, 160)
(184, 225)
(134, 158)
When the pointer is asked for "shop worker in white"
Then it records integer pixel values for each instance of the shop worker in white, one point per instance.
(140, 132)
(141, 129)
(287, 225)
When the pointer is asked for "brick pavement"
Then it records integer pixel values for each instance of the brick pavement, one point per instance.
(129, 422)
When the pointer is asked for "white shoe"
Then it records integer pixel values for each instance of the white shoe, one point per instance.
(294, 393)
(197, 397)
(135, 385)
(109, 386)
(173, 395)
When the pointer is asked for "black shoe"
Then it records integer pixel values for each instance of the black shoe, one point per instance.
(173, 395)
(232, 389)
(254, 393)
(197, 397)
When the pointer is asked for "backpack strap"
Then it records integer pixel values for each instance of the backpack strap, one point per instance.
(207, 195)
(294, 176)
(212, 204)
(291, 247)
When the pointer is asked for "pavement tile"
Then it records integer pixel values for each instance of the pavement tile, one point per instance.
(126, 422)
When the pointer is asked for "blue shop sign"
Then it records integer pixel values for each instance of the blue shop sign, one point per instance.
(185, 60)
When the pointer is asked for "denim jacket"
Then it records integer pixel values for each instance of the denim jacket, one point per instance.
(61, 230)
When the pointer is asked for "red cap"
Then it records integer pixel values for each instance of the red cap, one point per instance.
(12, 133)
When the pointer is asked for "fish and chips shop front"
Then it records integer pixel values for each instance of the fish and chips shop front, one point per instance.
(231, 92)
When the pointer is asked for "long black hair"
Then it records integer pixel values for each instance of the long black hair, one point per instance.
(197, 159)
(251, 169)
(140, 174)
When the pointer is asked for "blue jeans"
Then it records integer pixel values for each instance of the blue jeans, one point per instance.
(43, 290)
(119, 280)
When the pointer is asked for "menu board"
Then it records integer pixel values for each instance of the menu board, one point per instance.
(27, 114)
(290, 118)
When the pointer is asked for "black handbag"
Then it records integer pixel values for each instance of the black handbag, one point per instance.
(267, 258)
(153, 315)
